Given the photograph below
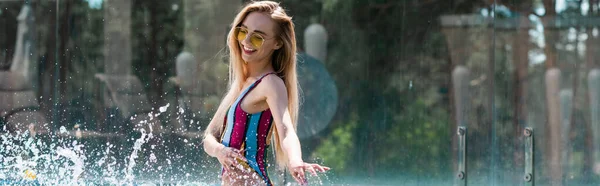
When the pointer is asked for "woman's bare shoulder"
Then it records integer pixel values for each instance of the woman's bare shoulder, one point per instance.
(274, 84)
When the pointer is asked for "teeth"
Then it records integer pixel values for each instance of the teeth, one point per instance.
(248, 49)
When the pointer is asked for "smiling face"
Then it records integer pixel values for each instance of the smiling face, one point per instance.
(260, 37)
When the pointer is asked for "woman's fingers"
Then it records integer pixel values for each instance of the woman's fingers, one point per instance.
(241, 157)
(226, 166)
(322, 168)
(229, 158)
(297, 178)
(319, 168)
(301, 176)
(298, 173)
(311, 169)
(233, 162)
(236, 153)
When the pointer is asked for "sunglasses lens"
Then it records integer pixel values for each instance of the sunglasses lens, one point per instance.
(241, 34)
(256, 40)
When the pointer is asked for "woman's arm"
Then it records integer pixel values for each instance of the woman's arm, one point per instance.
(277, 99)
(210, 142)
(212, 146)
(226, 155)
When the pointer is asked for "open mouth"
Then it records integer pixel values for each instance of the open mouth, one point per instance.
(247, 50)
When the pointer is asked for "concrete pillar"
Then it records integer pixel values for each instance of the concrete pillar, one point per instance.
(460, 80)
(22, 59)
(186, 69)
(206, 24)
(117, 37)
(594, 93)
(566, 109)
(554, 150)
(315, 41)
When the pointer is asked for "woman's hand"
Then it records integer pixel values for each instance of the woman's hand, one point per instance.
(298, 169)
(227, 157)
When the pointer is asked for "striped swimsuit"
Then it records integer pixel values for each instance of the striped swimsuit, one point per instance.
(249, 132)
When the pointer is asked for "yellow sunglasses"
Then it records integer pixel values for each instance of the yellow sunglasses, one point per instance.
(257, 40)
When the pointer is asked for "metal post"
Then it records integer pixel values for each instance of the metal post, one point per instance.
(461, 176)
(529, 169)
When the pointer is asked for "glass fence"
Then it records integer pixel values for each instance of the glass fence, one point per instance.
(393, 92)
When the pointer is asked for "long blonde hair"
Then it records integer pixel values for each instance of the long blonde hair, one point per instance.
(283, 61)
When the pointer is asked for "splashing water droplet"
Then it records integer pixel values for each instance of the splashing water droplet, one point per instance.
(164, 108)
(152, 158)
(63, 130)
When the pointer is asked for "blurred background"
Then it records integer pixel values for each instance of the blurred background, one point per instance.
(121, 90)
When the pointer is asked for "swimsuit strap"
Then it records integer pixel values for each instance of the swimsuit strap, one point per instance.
(251, 87)
(263, 76)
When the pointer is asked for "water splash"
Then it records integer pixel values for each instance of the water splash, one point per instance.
(134, 155)
(69, 158)
(110, 161)
(76, 155)
(61, 161)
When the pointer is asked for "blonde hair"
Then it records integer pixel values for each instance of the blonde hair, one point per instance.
(283, 61)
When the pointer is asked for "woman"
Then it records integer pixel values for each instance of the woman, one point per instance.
(262, 100)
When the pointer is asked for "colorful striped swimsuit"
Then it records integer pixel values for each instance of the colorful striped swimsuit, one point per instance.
(249, 132)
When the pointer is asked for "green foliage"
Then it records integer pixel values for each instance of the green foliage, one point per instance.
(389, 70)
(334, 149)
(418, 143)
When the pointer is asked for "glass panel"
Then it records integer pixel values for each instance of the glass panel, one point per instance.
(548, 84)
(121, 91)
(469, 39)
